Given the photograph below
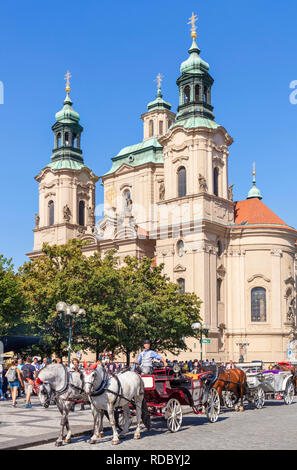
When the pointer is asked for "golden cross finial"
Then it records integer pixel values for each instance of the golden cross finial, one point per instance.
(192, 21)
(159, 79)
(67, 77)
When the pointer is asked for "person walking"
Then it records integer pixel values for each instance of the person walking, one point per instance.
(14, 378)
(2, 396)
(75, 367)
(29, 374)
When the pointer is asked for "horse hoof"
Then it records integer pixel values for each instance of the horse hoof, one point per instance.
(58, 443)
(236, 408)
(67, 441)
(137, 436)
(91, 441)
(115, 443)
(101, 434)
(241, 408)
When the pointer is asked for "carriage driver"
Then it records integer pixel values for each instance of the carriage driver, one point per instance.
(146, 358)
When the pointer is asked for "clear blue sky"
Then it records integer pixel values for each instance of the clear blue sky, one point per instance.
(114, 50)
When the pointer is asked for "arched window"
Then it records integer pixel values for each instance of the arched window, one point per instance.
(59, 140)
(182, 181)
(180, 248)
(51, 213)
(169, 124)
(81, 213)
(219, 290)
(258, 304)
(74, 143)
(197, 93)
(187, 94)
(216, 181)
(151, 128)
(181, 285)
(205, 94)
(160, 127)
(220, 248)
(67, 139)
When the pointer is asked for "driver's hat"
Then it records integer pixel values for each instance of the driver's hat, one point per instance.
(146, 341)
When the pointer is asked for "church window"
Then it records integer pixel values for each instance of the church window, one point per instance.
(151, 128)
(258, 304)
(74, 144)
(67, 139)
(181, 285)
(180, 248)
(187, 94)
(182, 181)
(205, 94)
(51, 212)
(219, 290)
(160, 127)
(81, 213)
(169, 124)
(59, 140)
(216, 181)
(197, 93)
(127, 201)
(220, 248)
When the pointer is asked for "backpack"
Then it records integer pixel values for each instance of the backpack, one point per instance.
(27, 372)
(12, 375)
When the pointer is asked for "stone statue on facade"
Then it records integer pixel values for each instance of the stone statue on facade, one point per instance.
(162, 191)
(202, 183)
(37, 220)
(230, 192)
(66, 213)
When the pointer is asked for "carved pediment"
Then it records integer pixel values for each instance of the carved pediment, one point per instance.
(259, 276)
(179, 268)
(179, 159)
(123, 169)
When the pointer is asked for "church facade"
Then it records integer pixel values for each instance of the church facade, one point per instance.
(168, 198)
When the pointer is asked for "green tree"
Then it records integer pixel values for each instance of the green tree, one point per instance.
(63, 273)
(148, 305)
(12, 303)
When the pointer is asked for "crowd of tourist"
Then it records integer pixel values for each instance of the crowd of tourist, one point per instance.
(17, 375)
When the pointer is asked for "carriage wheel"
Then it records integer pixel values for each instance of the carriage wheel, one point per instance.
(289, 393)
(229, 399)
(173, 415)
(119, 419)
(259, 398)
(213, 405)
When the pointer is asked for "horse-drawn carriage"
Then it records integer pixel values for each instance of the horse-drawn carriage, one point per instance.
(275, 383)
(167, 390)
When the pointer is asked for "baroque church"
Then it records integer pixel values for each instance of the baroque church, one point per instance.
(168, 198)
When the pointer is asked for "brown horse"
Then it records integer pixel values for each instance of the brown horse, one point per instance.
(289, 367)
(232, 380)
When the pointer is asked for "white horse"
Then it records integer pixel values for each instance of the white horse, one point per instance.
(56, 380)
(108, 392)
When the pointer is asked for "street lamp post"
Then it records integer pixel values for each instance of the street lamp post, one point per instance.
(200, 330)
(72, 312)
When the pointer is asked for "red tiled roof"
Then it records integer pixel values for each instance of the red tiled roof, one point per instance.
(254, 211)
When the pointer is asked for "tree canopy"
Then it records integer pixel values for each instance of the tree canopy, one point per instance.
(124, 303)
(12, 303)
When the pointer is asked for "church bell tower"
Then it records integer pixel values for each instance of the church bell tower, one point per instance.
(66, 185)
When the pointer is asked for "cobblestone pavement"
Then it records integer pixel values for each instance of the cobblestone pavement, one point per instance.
(20, 426)
(273, 427)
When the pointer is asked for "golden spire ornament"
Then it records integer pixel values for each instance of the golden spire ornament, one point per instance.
(67, 77)
(159, 79)
(192, 21)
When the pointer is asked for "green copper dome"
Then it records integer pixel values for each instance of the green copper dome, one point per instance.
(158, 103)
(254, 192)
(67, 115)
(194, 64)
